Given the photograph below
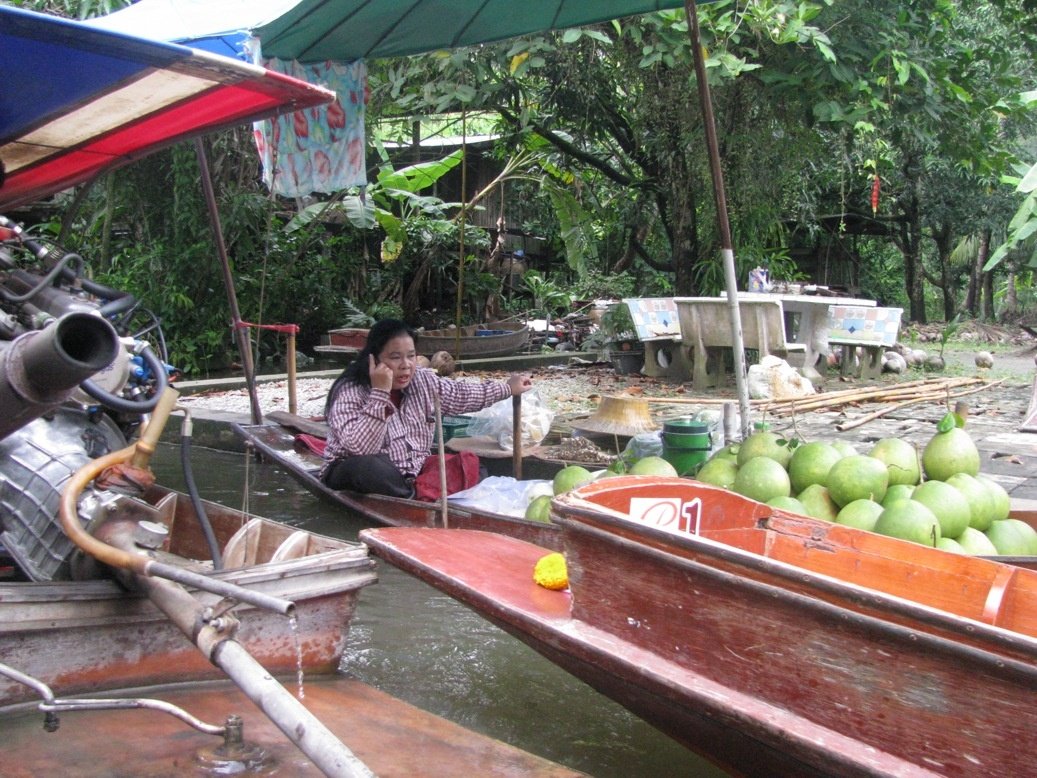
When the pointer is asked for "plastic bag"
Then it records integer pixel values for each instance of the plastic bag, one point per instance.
(759, 280)
(500, 494)
(644, 444)
(498, 421)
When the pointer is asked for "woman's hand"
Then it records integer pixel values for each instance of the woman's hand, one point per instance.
(380, 373)
(519, 383)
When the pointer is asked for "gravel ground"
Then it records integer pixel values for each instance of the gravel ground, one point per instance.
(575, 390)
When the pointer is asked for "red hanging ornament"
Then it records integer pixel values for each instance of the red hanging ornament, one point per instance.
(875, 186)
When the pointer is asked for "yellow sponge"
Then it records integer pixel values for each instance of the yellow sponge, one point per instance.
(550, 572)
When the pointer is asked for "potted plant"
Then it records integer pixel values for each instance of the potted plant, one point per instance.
(625, 349)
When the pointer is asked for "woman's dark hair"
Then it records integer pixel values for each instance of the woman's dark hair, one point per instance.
(356, 372)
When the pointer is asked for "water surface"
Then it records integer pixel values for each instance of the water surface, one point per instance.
(417, 644)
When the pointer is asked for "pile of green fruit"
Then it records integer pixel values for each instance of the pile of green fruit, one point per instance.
(573, 476)
(937, 498)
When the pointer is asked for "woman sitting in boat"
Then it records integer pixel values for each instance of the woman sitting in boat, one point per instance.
(381, 412)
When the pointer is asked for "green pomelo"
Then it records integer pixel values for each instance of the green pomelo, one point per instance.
(857, 477)
(861, 514)
(539, 509)
(764, 443)
(901, 460)
(976, 543)
(909, 520)
(727, 452)
(719, 472)
(1012, 537)
(949, 453)
(570, 477)
(810, 464)
(762, 478)
(788, 504)
(980, 500)
(949, 544)
(897, 492)
(946, 504)
(1028, 532)
(818, 502)
(1002, 502)
(845, 448)
(652, 466)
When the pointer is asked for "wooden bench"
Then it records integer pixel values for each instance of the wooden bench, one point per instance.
(658, 328)
(873, 330)
(705, 324)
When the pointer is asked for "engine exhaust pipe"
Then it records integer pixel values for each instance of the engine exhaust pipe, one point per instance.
(40, 369)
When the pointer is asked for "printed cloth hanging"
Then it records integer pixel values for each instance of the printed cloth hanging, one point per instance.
(318, 149)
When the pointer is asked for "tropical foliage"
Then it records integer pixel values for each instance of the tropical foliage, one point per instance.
(876, 145)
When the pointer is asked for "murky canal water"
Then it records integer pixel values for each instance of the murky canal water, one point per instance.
(417, 644)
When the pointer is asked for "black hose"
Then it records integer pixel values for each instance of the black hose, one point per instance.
(60, 269)
(196, 500)
(118, 305)
(122, 405)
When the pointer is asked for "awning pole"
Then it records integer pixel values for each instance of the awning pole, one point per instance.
(726, 244)
(240, 334)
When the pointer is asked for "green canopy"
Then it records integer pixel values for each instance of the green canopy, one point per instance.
(316, 30)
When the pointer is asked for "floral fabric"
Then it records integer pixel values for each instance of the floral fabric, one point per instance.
(319, 149)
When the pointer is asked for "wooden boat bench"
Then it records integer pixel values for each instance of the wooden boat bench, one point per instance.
(658, 328)
(706, 328)
(873, 330)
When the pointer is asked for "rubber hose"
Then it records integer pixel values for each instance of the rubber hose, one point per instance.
(121, 404)
(196, 501)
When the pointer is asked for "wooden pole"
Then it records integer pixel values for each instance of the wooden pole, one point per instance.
(442, 461)
(292, 404)
(726, 244)
(516, 435)
(240, 334)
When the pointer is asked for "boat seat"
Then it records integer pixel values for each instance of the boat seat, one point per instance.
(243, 545)
(296, 546)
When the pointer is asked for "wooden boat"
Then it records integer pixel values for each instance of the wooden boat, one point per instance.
(278, 444)
(86, 636)
(476, 341)
(772, 643)
(389, 736)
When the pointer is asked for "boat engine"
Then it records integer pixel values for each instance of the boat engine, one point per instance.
(75, 383)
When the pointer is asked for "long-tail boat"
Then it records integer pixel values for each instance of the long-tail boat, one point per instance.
(773, 643)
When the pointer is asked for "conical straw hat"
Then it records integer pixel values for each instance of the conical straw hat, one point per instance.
(619, 416)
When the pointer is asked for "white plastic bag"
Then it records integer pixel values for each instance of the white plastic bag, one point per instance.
(500, 494)
(498, 421)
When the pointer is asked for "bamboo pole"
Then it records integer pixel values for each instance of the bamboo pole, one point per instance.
(897, 406)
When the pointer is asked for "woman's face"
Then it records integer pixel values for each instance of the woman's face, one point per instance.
(400, 356)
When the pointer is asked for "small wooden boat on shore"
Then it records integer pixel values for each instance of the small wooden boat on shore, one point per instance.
(278, 444)
(772, 643)
(476, 341)
(86, 636)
